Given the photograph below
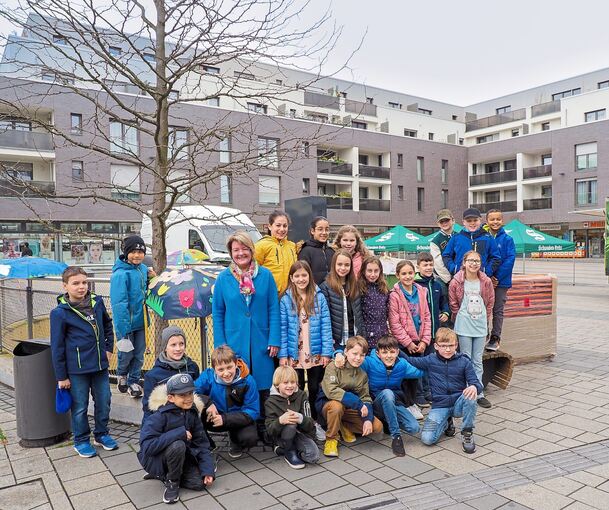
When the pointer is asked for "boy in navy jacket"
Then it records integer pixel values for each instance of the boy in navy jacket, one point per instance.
(81, 343)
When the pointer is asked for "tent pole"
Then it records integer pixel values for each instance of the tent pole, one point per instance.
(523, 264)
(573, 267)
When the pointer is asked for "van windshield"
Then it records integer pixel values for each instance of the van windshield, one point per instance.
(217, 235)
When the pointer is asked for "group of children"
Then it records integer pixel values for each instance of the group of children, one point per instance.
(369, 356)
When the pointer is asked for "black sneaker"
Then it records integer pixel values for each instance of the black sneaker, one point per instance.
(484, 402)
(234, 450)
(493, 343)
(450, 428)
(293, 460)
(121, 383)
(467, 441)
(278, 450)
(397, 446)
(422, 402)
(172, 492)
(135, 390)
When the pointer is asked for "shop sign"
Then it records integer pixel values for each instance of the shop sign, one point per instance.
(550, 228)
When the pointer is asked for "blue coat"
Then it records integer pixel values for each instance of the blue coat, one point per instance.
(320, 328)
(238, 402)
(248, 329)
(447, 377)
(437, 300)
(507, 249)
(380, 379)
(479, 241)
(128, 287)
(76, 346)
(160, 373)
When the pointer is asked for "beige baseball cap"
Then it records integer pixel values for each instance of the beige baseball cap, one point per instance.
(444, 214)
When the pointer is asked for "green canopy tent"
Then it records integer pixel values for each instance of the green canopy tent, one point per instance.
(396, 239)
(456, 228)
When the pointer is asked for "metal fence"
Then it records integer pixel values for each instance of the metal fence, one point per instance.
(25, 306)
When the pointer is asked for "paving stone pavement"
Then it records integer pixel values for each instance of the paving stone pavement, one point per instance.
(543, 445)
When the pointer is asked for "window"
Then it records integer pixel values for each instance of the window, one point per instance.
(603, 84)
(60, 39)
(14, 124)
(268, 190)
(430, 136)
(305, 149)
(455, 117)
(115, 51)
(278, 82)
(18, 171)
(256, 108)
(400, 192)
(359, 125)
(46, 76)
(362, 159)
(177, 184)
(213, 101)
(444, 171)
(515, 132)
(123, 138)
(267, 152)
(174, 95)
(226, 189)
(400, 160)
(244, 75)
(490, 168)
(509, 164)
(491, 197)
(546, 192)
(178, 140)
(510, 195)
(487, 138)
(150, 58)
(545, 126)
(343, 95)
(410, 132)
(211, 70)
(292, 113)
(224, 149)
(566, 93)
(125, 180)
(595, 115)
(370, 100)
(444, 199)
(78, 173)
(379, 160)
(503, 109)
(306, 186)
(420, 199)
(363, 193)
(424, 111)
(420, 168)
(546, 159)
(585, 156)
(585, 192)
(397, 106)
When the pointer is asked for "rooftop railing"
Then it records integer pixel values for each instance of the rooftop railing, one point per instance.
(495, 120)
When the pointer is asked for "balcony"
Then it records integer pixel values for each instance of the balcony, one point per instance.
(360, 108)
(492, 178)
(534, 172)
(545, 108)
(322, 100)
(30, 189)
(28, 140)
(537, 203)
(374, 204)
(505, 206)
(339, 203)
(334, 168)
(495, 120)
(375, 172)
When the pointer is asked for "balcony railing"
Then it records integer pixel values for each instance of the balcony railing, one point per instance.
(323, 100)
(537, 203)
(31, 189)
(495, 120)
(492, 178)
(339, 203)
(334, 168)
(376, 172)
(29, 140)
(374, 204)
(360, 108)
(537, 171)
(505, 206)
(545, 108)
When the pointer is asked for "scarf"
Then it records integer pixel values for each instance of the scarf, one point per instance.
(176, 365)
(245, 278)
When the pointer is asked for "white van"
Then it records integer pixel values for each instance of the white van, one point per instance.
(203, 227)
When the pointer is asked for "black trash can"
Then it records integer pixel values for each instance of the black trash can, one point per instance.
(38, 424)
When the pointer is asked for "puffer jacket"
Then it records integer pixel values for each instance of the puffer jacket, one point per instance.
(160, 373)
(456, 290)
(128, 287)
(380, 378)
(335, 304)
(437, 300)
(319, 256)
(375, 311)
(480, 241)
(277, 256)
(168, 424)
(447, 377)
(320, 327)
(400, 319)
(277, 404)
(507, 251)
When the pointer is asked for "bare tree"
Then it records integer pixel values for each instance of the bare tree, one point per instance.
(135, 68)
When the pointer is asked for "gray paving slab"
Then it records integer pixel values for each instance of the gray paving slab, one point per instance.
(253, 497)
(23, 496)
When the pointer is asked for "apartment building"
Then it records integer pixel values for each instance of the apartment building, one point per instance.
(379, 157)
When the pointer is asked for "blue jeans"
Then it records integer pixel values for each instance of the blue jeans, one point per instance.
(473, 346)
(437, 419)
(99, 385)
(396, 416)
(130, 363)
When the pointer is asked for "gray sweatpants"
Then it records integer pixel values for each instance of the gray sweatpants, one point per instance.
(500, 299)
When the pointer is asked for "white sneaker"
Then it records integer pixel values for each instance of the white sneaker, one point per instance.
(320, 434)
(415, 411)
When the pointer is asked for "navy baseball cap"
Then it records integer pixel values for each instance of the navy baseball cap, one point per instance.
(179, 384)
(472, 212)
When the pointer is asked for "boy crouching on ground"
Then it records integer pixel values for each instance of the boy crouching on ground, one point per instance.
(173, 443)
(454, 388)
(288, 420)
(344, 401)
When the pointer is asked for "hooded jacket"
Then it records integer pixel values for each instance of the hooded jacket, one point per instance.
(78, 345)
(507, 251)
(447, 377)
(436, 246)
(320, 328)
(168, 423)
(335, 305)
(437, 300)
(319, 256)
(128, 287)
(380, 377)
(400, 319)
(160, 373)
(480, 241)
(277, 256)
(238, 402)
(277, 404)
(456, 290)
